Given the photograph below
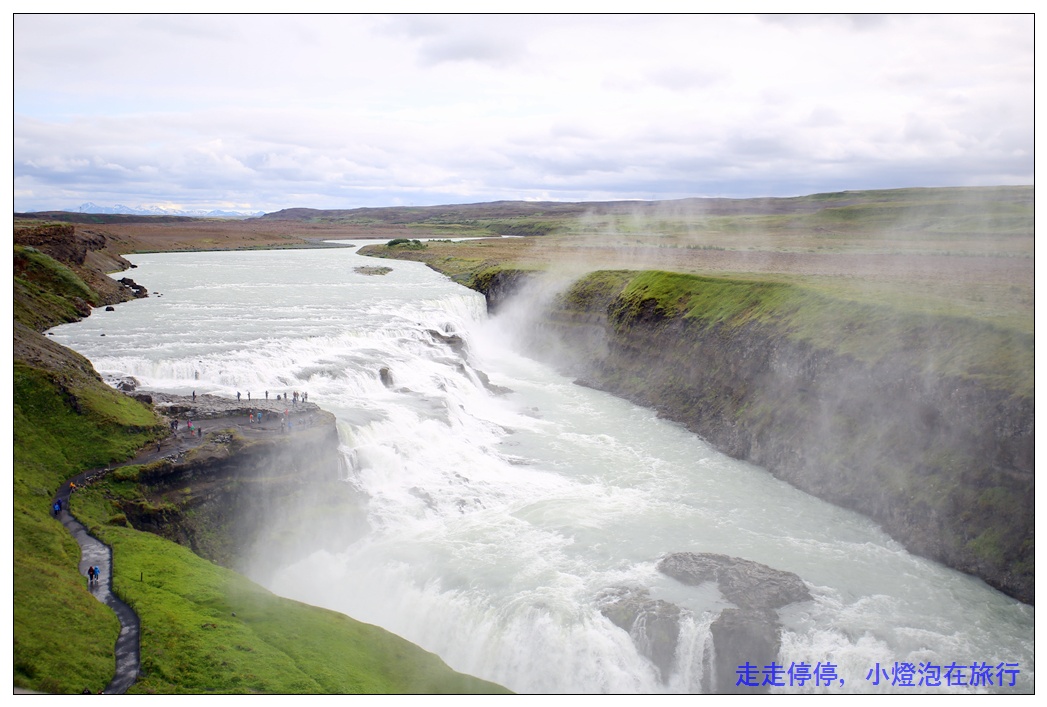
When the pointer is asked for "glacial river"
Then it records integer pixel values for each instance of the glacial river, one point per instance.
(498, 523)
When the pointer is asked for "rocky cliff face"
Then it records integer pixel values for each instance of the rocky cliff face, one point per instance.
(249, 500)
(943, 463)
(84, 250)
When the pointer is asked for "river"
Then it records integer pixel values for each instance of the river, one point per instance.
(498, 523)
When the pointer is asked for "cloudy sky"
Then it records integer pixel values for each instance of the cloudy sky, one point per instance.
(259, 113)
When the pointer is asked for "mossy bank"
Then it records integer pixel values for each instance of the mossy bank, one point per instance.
(923, 423)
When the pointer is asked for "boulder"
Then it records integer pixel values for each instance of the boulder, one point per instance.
(136, 289)
(745, 583)
(740, 636)
(653, 624)
(750, 632)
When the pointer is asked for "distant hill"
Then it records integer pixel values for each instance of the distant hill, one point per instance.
(697, 206)
(550, 209)
(542, 217)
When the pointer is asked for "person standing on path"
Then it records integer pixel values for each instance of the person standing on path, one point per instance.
(238, 396)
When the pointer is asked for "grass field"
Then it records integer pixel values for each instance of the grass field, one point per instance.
(951, 252)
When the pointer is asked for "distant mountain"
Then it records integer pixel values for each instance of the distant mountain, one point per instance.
(91, 208)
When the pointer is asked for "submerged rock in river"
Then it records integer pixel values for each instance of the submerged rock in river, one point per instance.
(747, 634)
(653, 624)
(744, 583)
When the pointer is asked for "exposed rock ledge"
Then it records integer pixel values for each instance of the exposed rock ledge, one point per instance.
(246, 495)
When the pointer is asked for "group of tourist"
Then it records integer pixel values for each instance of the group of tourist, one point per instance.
(254, 417)
(296, 397)
(192, 429)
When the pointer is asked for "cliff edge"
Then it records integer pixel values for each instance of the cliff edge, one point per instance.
(922, 423)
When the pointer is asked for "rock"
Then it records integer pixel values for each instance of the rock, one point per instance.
(456, 342)
(110, 308)
(744, 583)
(751, 632)
(138, 290)
(740, 636)
(386, 377)
(372, 270)
(485, 380)
(653, 624)
(128, 384)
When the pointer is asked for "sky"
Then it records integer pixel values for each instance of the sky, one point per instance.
(264, 112)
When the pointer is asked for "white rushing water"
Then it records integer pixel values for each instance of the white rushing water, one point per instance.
(498, 523)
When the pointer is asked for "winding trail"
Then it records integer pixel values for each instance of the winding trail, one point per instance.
(94, 553)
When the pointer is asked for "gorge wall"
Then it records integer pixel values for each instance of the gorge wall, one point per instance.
(248, 500)
(882, 421)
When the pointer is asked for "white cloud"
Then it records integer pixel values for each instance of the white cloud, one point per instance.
(352, 110)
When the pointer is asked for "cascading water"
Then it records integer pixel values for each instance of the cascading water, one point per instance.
(500, 523)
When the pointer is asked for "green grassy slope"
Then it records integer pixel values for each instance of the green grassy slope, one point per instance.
(64, 422)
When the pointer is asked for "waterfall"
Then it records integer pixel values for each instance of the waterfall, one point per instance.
(501, 522)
